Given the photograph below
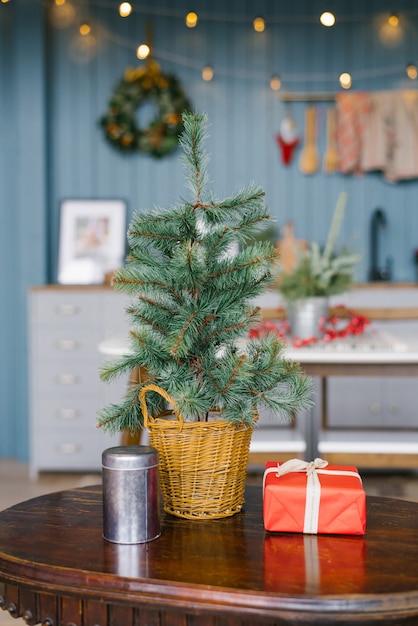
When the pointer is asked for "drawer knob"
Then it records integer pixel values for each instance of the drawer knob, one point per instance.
(67, 414)
(394, 408)
(68, 448)
(67, 345)
(67, 309)
(67, 379)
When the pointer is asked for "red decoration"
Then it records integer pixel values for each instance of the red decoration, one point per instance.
(331, 328)
(287, 148)
(287, 138)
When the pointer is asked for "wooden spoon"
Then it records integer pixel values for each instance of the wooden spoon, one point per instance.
(309, 159)
(330, 162)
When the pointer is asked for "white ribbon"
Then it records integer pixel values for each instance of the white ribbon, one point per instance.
(313, 485)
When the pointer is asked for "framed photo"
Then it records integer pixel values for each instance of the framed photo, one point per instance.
(91, 240)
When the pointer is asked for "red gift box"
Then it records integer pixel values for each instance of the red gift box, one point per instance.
(313, 498)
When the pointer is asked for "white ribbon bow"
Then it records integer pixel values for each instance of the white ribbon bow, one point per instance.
(313, 486)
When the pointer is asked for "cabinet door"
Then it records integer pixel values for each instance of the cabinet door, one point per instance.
(354, 402)
(401, 402)
(361, 402)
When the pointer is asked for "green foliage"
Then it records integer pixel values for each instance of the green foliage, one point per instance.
(191, 306)
(321, 273)
(138, 86)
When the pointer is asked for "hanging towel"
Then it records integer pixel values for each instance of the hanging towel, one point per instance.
(403, 161)
(379, 132)
(352, 112)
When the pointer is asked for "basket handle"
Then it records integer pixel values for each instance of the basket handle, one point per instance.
(147, 417)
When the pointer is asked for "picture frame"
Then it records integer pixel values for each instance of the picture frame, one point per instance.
(92, 240)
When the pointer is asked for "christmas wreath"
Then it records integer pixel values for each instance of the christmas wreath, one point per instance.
(137, 86)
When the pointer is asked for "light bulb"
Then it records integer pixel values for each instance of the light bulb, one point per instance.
(142, 51)
(259, 24)
(85, 29)
(191, 19)
(275, 83)
(345, 80)
(83, 47)
(62, 14)
(327, 19)
(411, 71)
(125, 9)
(207, 73)
(393, 20)
(391, 31)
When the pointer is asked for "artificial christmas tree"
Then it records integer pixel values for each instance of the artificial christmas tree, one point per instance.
(192, 273)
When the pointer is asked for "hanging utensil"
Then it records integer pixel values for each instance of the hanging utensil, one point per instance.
(330, 162)
(309, 159)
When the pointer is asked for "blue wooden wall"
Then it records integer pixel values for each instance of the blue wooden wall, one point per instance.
(52, 96)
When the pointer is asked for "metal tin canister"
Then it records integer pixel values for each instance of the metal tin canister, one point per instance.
(131, 504)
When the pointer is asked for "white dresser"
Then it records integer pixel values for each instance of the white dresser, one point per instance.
(66, 325)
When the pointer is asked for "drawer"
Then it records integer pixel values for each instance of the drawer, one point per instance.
(67, 344)
(67, 410)
(65, 449)
(55, 377)
(66, 308)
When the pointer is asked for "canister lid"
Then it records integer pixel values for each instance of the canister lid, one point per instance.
(130, 457)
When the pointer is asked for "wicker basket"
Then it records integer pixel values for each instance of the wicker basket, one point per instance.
(203, 465)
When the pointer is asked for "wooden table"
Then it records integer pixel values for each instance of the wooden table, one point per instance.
(57, 569)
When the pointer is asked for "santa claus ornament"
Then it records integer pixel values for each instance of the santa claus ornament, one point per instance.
(287, 139)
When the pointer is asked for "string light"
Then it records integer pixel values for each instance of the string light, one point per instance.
(125, 9)
(393, 20)
(345, 80)
(327, 19)
(207, 73)
(84, 29)
(259, 24)
(142, 51)
(83, 46)
(191, 19)
(411, 71)
(391, 30)
(62, 14)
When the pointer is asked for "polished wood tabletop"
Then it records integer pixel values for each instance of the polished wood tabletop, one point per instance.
(56, 568)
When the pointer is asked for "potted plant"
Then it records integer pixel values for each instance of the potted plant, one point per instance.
(317, 275)
(192, 276)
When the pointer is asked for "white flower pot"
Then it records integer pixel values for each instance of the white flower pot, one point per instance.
(305, 316)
